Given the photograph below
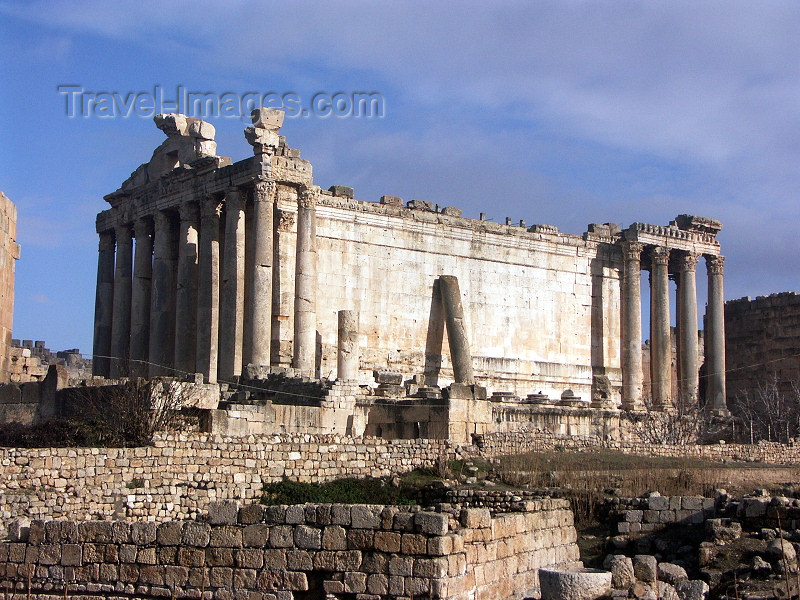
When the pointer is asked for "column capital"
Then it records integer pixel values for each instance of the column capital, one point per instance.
(632, 250)
(307, 196)
(715, 264)
(161, 220)
(143, 226)
(264, 190)
(106, 241)
(659, 255)
(687, 261)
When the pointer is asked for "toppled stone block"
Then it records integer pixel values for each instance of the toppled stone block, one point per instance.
(722, 531)
(392, 201)
(574, 584)
(781, 550)
(451, 211)
(342, 191)
(671, 573)
(388, 377)
(753, 507)
(420, 205)
(621, 567)
(645, 567)
(693, 589)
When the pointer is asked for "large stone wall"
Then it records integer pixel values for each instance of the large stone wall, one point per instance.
(383, 262)
(180, 475)
(762, 341)
(9, 252)
(285, 552)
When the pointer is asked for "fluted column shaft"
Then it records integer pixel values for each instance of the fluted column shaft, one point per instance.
(715, 336)
(140, 305)
(186, 293)
(231, 319)
(260, 321)
(103, 305)
(121, 320)
(687, 353)
(660, 348)
(208, 292)
(162, 306)
(305, 284)
(631, 326)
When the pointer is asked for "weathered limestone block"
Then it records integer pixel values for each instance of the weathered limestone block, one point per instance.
(622, 574)
(574, 584)
(645, 567)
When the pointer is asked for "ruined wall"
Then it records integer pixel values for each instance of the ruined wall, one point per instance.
(286, 551)
(541, 307)
(180, 475)
(762, 338)
(9, 252)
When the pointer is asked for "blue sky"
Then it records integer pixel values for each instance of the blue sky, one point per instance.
(563, 113)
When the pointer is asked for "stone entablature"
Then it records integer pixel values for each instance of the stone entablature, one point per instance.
(249, 264)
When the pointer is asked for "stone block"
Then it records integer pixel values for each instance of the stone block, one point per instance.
(451, 211)
(342, 191)
(295, 515)
(634, 516)
(473, 518)
(392, 201)
(255, 536)
(340, 514)
(170, 533)
(671, 573)
(334, 537)
(191, 557)
(196, 534)
(622, 573)
(360, 539)
(225, 537)
(645, 567)
(299, 560)
(387, 541)
(220, 577)
(143, 533)
(694, 503)
(348, 560)
(365, 517)
(250, 514)
(431, 523)
(223, 513)
(219, 557)
(658, 503)
(71, 555)
(355, 583)
(308, 538)
(49, 554)
(378, 584)
(281, 536)
(249, 558)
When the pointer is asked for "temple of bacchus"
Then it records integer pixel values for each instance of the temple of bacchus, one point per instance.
(241, 271)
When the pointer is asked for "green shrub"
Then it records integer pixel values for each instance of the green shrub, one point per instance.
(341, 491)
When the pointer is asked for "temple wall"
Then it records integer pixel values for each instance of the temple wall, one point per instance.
(541, 309)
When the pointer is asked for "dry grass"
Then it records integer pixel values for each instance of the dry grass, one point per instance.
(586, 478)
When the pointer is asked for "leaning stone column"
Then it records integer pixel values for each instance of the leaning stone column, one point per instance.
(660, 350)
(186, 294)
(121, 320)
(631, 326)
(460, 354)
(231, 317)
(687, 352)
(305, 284)
(347, 356)
(260, 321)
(140, 306)
(162, 306)
(208, 292)
(715, 337)
(103, 305)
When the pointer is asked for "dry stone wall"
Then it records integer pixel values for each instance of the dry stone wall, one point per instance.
(180, 475)
(283, 552)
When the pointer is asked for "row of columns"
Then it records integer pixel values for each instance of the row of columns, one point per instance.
(660, 349)
(178, 305)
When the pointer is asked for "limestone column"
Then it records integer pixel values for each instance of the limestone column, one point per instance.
(305, 284)
(121, 319)
(687, 352)
(103, 305)
(260, 337)
(460, 354)
(660, 351)
(140, 306)
(231, 317)
(631, 326)
(208, 292)
(348, 354)
(186, 293)
(162, 305)
(715, 337)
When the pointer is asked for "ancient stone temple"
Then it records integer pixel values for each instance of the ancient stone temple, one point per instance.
(219, 268)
